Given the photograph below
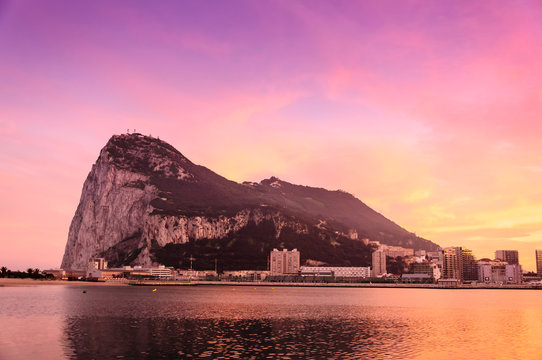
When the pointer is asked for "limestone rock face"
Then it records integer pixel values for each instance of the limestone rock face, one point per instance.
(144, 203)
(115, 204)
(115, 207)
(182, 229)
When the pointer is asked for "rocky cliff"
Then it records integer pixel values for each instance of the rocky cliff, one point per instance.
(144, 202)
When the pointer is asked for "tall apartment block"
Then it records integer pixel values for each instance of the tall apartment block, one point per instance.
(452, 266)
(459, 264)
(538, 254)
(470, 266)
(379, 263)
(510, 256)
(284, 262)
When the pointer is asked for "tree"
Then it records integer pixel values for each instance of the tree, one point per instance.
(4, 271)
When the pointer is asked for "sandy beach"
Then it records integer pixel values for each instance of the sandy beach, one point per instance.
(33, 282)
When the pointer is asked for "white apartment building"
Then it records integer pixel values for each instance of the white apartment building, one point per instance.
(379, 263)
(284, 262)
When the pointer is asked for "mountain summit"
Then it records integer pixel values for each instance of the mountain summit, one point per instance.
(143, 202)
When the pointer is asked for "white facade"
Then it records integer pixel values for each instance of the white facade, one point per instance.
(160, 271)
(379, 263)
(513, 274)
(498, 272)
(284, 262)
(97, 269)
(97, 263)
(485, 273)
(94, 267)
(436, 271)
(344, 271)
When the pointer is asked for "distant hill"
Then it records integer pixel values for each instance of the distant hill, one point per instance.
(143, 202)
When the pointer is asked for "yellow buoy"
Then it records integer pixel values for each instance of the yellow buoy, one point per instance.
(154, 290)
(233, 289)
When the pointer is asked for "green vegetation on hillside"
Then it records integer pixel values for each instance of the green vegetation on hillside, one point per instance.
(250, 247)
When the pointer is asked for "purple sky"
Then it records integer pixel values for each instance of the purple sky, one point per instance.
(428, 111)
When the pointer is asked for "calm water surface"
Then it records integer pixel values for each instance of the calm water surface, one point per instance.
(215, 322)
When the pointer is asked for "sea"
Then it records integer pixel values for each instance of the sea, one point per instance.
(262, 322)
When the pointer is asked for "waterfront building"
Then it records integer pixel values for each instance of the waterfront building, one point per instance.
(470, 267)
(538, 254)
(448, 283)
(437, 258)
(459, 264)
(417, 278)
(56, 273)
(485, 273)
(316, 271)
(245, 275)
(284, 262)
(379, 263)
(105, 274)
(425, 267)
(513, 274)
(98, 270)
(194, 274)
(75, 274)
(154, 272)
(161, 271)
(337, 271)
(437, 273)
(97, 263)
(421, 268)
(452, 267)
(94, 267)
(510, 256)
(495, 272)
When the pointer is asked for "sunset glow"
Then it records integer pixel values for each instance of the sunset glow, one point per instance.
(427, 111)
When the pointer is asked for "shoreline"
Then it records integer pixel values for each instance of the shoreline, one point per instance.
(13, 282)
(16, 282)
(334, 285)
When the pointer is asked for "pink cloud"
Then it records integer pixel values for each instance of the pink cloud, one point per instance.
(430, 112)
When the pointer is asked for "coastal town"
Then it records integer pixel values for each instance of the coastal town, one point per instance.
(451, 267)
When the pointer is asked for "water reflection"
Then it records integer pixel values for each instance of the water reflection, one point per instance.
(235, 339)
(54, 322)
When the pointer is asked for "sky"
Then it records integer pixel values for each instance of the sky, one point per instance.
(427, 111)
